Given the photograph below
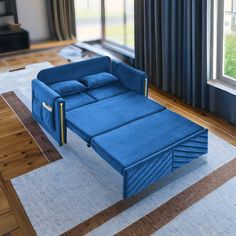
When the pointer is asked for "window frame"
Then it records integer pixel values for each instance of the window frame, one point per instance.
(220, 44)
(110, 44)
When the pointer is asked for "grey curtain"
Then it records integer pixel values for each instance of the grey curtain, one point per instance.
(62, 19)
(172, 45)
(10, 8)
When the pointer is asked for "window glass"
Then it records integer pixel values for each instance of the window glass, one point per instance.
(130, 23)
(119, 22)
(118, 25)
(88, 19)
(230, 39)
(114, 21)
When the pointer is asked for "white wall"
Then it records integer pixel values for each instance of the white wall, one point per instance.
(32, 15)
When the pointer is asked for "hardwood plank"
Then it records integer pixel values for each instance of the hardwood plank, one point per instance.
(51, 44)
(9, 122)
(32, 126)
(17, 208)
(7, 223)
(4, 204)
(15, 232)
(39, 47)
(19, 152)
(19, 168)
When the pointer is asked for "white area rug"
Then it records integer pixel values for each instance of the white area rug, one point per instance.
(21, 79)
(61, 195)
(213, 215)
(71, 53)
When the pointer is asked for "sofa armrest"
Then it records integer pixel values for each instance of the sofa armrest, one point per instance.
(43, 93)
(48, 109)
(131, 78)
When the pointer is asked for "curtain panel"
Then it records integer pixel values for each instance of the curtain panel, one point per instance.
(172, 44)
(62, 19)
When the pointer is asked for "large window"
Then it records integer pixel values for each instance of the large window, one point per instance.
(226, 41)
(88, 19)
(111, 21)
(119, 22)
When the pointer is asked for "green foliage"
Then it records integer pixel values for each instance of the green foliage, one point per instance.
(230, 55)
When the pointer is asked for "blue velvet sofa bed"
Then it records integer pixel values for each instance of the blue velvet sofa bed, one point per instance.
(106, 104)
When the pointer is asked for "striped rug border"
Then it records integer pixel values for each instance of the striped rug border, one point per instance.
(162, 215)
(151, 222)
(25, 116)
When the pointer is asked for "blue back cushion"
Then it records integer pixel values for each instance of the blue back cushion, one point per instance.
(98, 80)
(67, 88)
(75, 71)
(107, 91)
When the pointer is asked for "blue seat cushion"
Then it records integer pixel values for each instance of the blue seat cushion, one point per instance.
(69, 87)
(98, 80)
(77, 100)
(108, 91)
(133, 142)
(106, 115)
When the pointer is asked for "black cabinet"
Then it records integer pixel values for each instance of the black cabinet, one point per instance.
(10, 41)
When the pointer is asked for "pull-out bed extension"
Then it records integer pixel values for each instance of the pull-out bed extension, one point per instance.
(105, 103)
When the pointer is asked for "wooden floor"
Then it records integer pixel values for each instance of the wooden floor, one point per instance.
(23, 147)
(20, 154)
(37, 53)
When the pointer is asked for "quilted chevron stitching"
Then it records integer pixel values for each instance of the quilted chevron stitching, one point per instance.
(144, 169)
(148, 178)
(187, 152)
(141, 176)
(148, 173)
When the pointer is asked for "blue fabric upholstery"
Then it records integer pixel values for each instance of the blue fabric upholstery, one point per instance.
(138, 137)
(50, 120)
(132, 143)
(75, 71)
(67, 88)
(108, 91)
(98, 80)
(77, 100)
(149, 170)
(43, 93)
(108, 114)
(131, 78)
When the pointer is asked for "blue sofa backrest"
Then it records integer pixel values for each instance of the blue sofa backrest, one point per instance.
(75, 71)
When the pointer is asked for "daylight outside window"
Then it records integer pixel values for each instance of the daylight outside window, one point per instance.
(116, 29)
(88, 19)
(229, 60)
(230, 38)
(119, 22)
